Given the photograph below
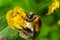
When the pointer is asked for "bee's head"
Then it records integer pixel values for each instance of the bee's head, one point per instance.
(30, 15)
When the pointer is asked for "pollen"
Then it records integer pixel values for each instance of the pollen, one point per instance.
(14, 18)
(54, 6)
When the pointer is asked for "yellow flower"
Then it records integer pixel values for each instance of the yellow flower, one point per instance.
(59, 22)
(14, 18)
(53, 7)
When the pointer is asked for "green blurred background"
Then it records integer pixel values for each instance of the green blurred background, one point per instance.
(50, 30)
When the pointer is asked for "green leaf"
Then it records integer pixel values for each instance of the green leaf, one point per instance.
(9, 34)
(3, 23)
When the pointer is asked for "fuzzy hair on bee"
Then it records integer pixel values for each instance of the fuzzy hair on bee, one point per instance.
(27, 23)
(33, 25)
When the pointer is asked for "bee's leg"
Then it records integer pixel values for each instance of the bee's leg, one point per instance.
(33, 38)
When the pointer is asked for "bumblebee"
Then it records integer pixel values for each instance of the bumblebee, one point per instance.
(27, 23)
